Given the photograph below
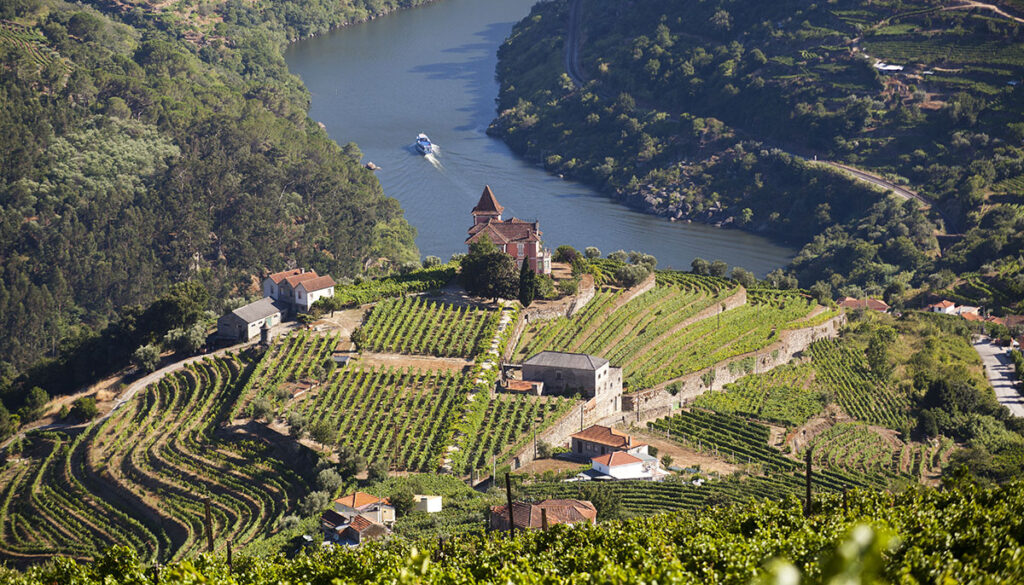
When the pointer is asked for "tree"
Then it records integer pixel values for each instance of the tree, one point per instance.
(329, 480)
(358, 338)
(35, 402)
(565, 253)
(619, 256)
(297, 424)
(631, 275)
(146, 358)
(527, 284)
(403, 501)
(350, 463)
(314, 503)
(488, 272)
(377, 471)
(877, 352)
(700, 266)
(431, 261)
(609, 506)
(666, 461)
(84, 409)
(262, 409)
(591, 252)
(718, 268)
(322, 432)
(743, 277)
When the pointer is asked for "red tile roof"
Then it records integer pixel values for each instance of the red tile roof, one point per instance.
(488, 203)
(318, 283)
(294, 281)
(873, 304)
(361, 524)
(277, 277)
(616, 459)
(604, 436)
(971, 317)
(942, 305)
(359, 500)
(528, 516)
(503, 232)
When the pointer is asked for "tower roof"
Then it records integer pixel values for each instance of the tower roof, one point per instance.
(488, 204)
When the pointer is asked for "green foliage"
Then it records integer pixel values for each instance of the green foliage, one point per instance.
(84, 409)
(403, 501)
(415, 325)
(527, 284)
(488, 272)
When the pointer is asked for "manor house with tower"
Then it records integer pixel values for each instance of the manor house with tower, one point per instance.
(517, 238)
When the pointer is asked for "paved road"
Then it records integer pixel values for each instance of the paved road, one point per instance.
(999, 370)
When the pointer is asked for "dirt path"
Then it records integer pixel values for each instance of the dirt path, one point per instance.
(995, 9)
(395, 360)
(1001, 375)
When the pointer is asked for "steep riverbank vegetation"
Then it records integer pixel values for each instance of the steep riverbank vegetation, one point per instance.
(690, 110)
(145, 144)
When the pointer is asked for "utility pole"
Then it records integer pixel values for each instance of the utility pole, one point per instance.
(209, 526)
(808, 506)
(508, 494)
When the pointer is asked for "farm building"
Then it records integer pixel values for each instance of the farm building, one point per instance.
(517, 238)
(428, 504)
(569, 373)
(866, 304)
(622, 465)
(371, 507)
(351, 531)
(298, 288)
(600, 440)
(244, 323)
(529, 516)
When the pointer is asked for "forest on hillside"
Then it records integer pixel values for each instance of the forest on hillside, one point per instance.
(716, 112)
(143, 145)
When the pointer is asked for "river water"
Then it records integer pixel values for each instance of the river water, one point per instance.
(431, 69)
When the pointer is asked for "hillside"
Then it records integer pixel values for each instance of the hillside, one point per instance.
(724, 112)
(922, 536)
(146, 144)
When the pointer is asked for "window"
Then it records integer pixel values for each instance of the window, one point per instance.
(519, 250)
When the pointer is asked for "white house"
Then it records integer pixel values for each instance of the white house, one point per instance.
(244, 323)
(621, 465)
(310, 291)
(944, 306)
(428, 504)
(272, 283)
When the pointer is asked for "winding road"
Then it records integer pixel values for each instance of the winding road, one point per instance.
(573, 68)
(1000, 373)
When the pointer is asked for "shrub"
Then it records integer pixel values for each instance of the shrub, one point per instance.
(314, 503)
(565, 253)
(85, 409)
(377, 471)
(591, 252)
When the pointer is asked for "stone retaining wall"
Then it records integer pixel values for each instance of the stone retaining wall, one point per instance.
(657, 402)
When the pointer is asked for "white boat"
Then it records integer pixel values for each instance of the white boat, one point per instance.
(423, 144)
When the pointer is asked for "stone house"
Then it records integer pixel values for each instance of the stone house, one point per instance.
(569, 373)
(298, 288)
(598, 440)
(517, 238)
(244, 323)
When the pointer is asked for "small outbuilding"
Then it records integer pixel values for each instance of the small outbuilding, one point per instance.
(428, 504)
(244, 323)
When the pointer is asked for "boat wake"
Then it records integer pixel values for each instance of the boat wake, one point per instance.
(432, 158)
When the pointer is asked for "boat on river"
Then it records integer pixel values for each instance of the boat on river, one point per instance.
(423, 145)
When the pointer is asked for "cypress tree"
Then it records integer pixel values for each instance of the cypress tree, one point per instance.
(527, 284)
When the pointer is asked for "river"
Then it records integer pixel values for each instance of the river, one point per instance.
(431, 69)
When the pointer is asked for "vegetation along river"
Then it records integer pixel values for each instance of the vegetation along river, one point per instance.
(431, 69)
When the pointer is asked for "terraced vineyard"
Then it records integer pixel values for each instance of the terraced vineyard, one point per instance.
(675, 329)
(404, 417)
(858, 447)
(413, 325)
(745, 442)
(844, 372)
(786, 395)
(508, 418)
(32, 42)
(646, 497)
(139, 477)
